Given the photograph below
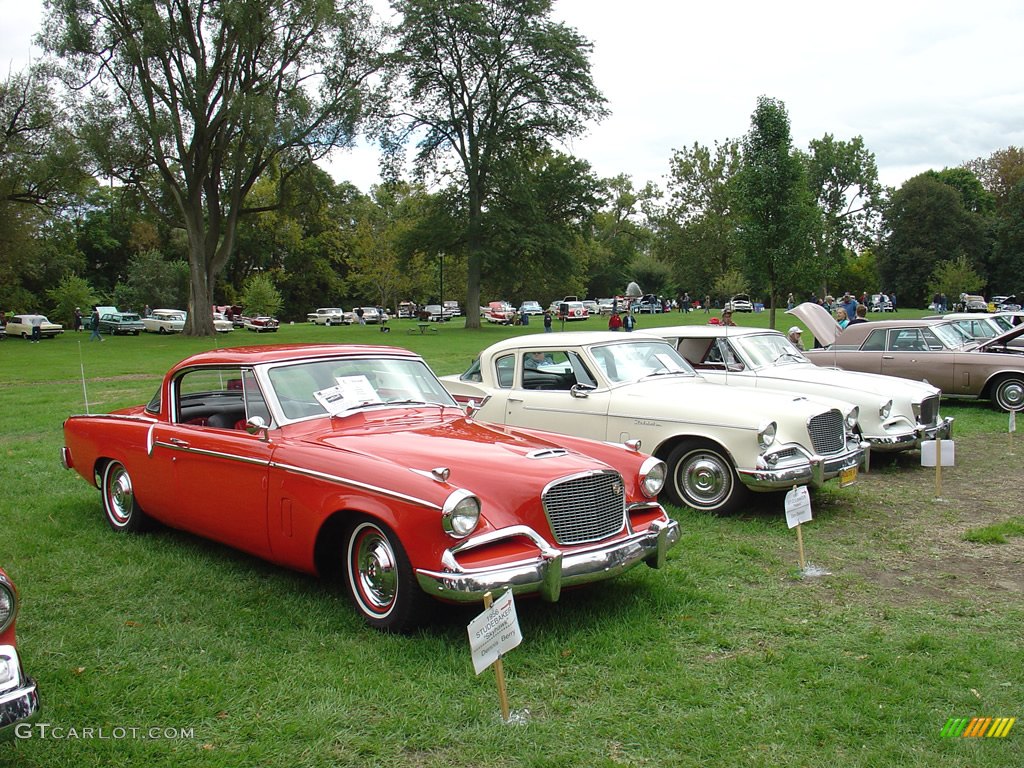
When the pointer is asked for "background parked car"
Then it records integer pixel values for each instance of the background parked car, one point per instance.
(24, 325)
(221, 324)
(328, 316)
(531, 308)
(19, 696)
(880, 302)
(101, 310)
(260, 324)
(121, 323)
(165, 321)
(740, 303)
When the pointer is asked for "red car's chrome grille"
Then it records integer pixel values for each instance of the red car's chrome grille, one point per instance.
(586, 507)
(828, 433)
(929, 411)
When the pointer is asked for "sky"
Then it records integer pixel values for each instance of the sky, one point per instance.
(925, 84)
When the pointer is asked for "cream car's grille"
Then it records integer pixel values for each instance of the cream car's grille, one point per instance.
(828, 433)
(586, 507)
(929, 411)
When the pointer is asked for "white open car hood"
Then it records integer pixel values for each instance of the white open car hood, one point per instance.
(824, 327)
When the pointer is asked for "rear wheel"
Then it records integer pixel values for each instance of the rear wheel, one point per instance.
(380, 580)
(122, 511)
(1008, 392)
(702, 476)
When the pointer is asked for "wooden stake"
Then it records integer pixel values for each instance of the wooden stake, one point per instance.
(938, 468)
(800, 544)
(499, 673)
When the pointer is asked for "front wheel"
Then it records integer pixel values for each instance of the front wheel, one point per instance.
(1009, 393)
(702, 476)
(122, 511)
(380, 580)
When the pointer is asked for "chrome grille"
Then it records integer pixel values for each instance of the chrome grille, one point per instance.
(586, 507)
(929, 413)
(828, 432)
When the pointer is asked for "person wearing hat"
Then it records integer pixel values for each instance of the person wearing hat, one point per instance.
(727, 317)
(78, 319)
(795, 336)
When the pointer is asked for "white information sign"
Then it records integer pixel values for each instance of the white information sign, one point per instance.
(798, 506)
(494, 632)
(349, 392)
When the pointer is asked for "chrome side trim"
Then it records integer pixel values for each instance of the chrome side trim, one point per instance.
(185, 448)
(354, 484)
(117, 416)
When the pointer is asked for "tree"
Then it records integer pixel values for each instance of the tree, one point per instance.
(697, 233)
(843, 179)
(999, 173)
(617, 236)
(211, 94)
(71, 293)
(925, 223)
(152, 280)
(260, 296)
(953, 277)
(777, 213)
(482, 80)
(1007, 271)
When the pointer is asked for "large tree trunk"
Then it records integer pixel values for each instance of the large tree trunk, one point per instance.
(475, 259)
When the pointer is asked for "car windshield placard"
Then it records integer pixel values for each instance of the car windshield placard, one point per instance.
(350, 392)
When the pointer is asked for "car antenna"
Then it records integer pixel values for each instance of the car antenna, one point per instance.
(81, 365)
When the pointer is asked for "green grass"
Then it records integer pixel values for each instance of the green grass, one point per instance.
(726, 657)
(997, 533)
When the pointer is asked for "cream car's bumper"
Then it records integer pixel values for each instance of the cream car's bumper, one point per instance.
(912, 437)
(551, 570)
(804, 470)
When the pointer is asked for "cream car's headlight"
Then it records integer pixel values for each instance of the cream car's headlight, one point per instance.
(766, 435)
(652, 476)
(852, 417)
(460, 514)
(885, 410)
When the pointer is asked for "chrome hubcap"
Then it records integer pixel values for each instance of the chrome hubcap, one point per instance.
(120, 495)
(1012, 395)
(376, 571)
(705, 480)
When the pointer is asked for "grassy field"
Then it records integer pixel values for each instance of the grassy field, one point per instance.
(729, 656)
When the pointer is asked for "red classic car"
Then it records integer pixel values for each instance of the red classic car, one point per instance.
(19, 698)
(353, 462)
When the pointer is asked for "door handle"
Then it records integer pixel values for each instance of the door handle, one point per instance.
(888, 357)
(177, 441)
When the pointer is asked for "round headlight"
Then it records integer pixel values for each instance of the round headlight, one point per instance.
(7, 606)
(766, 435)
(852, 416)
(460, 514)
(652, 476)
(885, 410)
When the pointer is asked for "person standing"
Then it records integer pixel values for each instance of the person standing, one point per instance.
(727, 317)
(795, 337)
(860, 315)
(78, 319)
(615, 322)
(629, 322)
(707, 305)
(95, 325)
(547, 321)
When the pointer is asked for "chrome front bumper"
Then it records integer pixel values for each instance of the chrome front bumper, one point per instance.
(912, 439)
(814, 470)
(551, 570)
(19, 703)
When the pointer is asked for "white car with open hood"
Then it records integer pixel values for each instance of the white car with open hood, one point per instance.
(895, 414)
(717, 441)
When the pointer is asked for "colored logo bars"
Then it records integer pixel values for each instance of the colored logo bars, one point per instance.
(976, 727)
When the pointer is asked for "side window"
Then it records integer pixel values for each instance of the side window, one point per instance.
(548, 369)
(907, 340)
(931, 340)
(579, 368)
(215, 397)
(504, 370)
(875, 342)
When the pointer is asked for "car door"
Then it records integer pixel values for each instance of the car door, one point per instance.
(559, 394)
(220, 471)
(915, 353)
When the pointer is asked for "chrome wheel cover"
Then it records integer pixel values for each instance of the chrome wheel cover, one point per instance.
(373, 569)
(119, 497)
(704, 479)
(1010, 394)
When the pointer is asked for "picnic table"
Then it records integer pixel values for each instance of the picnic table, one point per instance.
(423, 328)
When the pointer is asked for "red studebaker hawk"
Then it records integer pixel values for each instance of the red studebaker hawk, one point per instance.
(354, 462)
(19, 697)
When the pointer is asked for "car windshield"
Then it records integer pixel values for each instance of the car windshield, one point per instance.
(768, 349)
(345, 385)
(629, 362)
(952, 335)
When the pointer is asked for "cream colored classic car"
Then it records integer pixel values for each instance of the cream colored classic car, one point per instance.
(895, 414)
(165, 321)
(717, 441)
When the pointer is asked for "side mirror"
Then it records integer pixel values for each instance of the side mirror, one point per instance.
(582, 391)
(256, 425)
